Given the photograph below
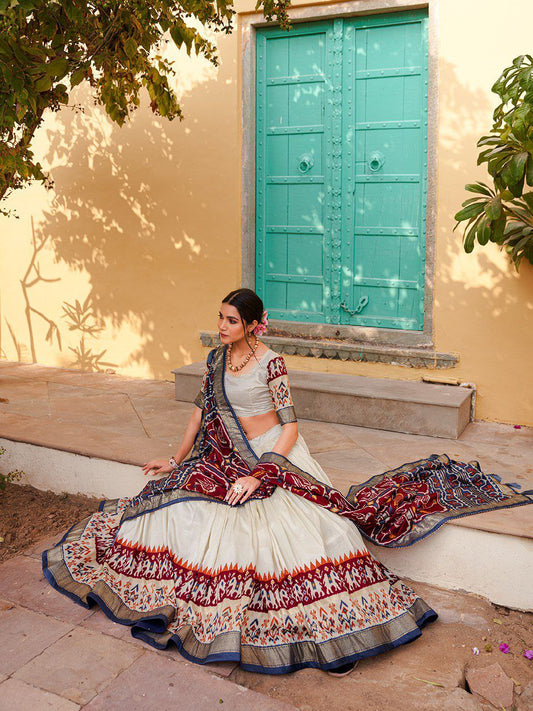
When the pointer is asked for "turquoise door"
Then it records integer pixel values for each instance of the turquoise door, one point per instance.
(341, 163)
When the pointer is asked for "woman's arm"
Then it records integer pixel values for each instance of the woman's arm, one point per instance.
(287, 440)
(289, 435)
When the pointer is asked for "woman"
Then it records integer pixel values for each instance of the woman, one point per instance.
(243, 550)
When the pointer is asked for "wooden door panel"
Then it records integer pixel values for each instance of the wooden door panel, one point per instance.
(291, 194)
(341, 170)
(384, 185)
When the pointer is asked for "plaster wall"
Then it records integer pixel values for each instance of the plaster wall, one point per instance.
(144, 222)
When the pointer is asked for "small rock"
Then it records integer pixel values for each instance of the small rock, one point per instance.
(460, 700)
(526, 697)
(491, 684)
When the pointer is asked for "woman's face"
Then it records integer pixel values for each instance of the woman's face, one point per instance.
(230, 326)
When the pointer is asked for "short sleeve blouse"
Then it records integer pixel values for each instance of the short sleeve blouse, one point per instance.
(262, 389)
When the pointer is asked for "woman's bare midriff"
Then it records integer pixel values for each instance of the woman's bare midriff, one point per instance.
(256, 425)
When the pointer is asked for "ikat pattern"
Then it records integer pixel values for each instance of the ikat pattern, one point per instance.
(278, 383)
(313, 583)
(316, 602)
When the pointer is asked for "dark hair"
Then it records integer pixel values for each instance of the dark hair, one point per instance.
(248, 304)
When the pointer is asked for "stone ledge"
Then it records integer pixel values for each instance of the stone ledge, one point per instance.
(408, 356)
(409, 406)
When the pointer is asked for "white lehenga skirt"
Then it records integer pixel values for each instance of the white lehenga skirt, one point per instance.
(276, 584)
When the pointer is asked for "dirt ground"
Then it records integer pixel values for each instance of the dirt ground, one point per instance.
(28, 514)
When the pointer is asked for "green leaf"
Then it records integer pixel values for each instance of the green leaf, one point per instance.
(528, 198)
(488, 140)
(519, 131)
(497, 229)
(517, 166)
(77, 77)
(43, 84)
(496, 165)
(61, 93)
(469, 239)
(58, 67)
(493, 208)
(483, 230)
(470, 211)
(529, 171)
(478, 188)
(130, 47)
(516, 188)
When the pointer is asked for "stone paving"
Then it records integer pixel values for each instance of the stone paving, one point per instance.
(55, 654)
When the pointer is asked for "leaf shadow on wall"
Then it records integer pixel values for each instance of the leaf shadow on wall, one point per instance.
(139, 208)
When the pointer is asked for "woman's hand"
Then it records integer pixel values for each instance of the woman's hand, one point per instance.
(249, 485)
(159, 466)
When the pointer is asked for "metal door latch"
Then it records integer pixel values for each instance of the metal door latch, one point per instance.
(305, 163)
(363, 301)
(376, 161)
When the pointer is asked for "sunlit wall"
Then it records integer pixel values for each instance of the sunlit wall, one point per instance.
(125, 260)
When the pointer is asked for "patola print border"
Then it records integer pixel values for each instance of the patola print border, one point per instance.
(228, 646)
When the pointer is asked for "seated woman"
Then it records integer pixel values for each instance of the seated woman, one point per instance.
(244, 550)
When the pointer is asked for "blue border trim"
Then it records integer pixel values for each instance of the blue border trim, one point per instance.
(158, 623)
(427, 617)
(53, 582)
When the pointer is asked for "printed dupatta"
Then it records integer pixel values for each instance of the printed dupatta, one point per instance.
(393, 509)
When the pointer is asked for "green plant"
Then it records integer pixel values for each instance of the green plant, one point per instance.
(47, 47)
(12, 476)
(504, 213)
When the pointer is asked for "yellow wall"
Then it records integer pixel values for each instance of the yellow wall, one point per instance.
(145, 221)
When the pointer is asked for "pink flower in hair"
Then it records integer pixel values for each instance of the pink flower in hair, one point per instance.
(262, 325)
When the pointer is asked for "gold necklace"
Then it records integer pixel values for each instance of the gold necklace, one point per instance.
(236, 368)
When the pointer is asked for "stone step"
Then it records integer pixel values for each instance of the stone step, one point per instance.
(410, 406)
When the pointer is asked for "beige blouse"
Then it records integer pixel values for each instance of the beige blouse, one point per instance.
(262, 389)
